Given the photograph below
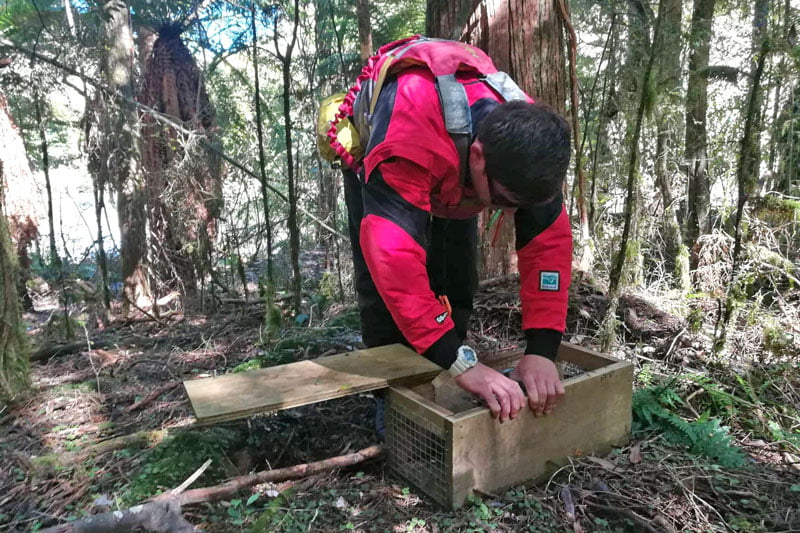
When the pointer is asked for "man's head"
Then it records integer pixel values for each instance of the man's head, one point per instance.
(523, 149)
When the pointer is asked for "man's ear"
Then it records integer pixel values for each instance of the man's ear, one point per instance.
(477, 163)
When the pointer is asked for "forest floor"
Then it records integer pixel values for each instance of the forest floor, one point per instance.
(53, 469)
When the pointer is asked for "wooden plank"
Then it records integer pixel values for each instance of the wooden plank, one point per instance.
(594, 415)
(571, 353)
(264, 390)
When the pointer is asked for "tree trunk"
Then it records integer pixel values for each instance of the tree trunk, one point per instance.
(748, 166)
(294, 230)
(524, 39)
(261, 157)
(364, 29)
(16, 202)
(184, 181)
(40, 127)
(585, 245)
(668, 87)
(125, 155)
(698, 196)
(635, 91)
(13, 346)
(629, 247)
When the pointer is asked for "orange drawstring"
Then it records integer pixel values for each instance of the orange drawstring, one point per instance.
(445, 301)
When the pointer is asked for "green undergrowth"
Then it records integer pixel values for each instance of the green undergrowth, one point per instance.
(174, 459)
(338, 333)
(754, 401)
(654, 408)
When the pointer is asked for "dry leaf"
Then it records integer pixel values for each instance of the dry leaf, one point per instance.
(605, 463)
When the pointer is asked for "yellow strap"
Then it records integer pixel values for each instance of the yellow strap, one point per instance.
(379, 83)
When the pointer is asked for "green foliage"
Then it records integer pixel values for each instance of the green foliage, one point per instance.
(653, 409)
(175, 458)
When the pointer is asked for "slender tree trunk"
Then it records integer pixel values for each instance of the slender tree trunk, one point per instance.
(602, 156)
(585, 245)
(525, 40)
(261, 157)
(635, 90)
(668, 83)
(698, 196)
(294, 230)
(364, 29)
(37, 106)
(748, 166)
(628, 246)
(125, 155)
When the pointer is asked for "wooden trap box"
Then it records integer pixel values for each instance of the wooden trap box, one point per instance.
(446, 453)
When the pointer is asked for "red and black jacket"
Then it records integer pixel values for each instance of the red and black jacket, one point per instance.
(411, 171)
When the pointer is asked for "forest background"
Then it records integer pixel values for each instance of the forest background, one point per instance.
(166, 214)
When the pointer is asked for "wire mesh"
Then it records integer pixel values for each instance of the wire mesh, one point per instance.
(570, 370)
(418, 452)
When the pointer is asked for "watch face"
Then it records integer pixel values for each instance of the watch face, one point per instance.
(469, 354)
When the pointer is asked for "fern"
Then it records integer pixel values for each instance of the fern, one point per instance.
(652, 410)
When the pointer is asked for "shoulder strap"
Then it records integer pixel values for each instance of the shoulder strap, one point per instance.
(505, 86)
(457, 118)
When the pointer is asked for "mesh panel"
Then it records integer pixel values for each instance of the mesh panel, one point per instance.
(417, 452)
(570, 370)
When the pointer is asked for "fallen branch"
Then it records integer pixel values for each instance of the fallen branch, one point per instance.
(163, 513)
(152, 396)
(234, 485)
(159, 516)
(46, 352)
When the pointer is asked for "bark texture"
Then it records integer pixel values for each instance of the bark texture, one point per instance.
(698, 197)
(525, 39)
(13, 346)
(124, 155)
(183, 179)
(17, 203)
(364, 29)
(667, 122)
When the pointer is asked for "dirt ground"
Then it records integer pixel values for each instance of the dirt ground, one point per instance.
(53, 471)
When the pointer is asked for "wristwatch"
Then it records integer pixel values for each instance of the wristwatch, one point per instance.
(466, 359)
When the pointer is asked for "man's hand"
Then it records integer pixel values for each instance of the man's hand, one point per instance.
(503, 396)
(540, 377)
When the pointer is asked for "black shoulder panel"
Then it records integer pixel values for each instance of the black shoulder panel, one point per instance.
(383, 113)
(383, 201)
(532, 221)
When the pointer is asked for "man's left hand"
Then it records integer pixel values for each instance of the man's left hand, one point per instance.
(540, 377)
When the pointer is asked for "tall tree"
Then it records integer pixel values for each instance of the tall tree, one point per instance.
(285, 59)
(667, 89)
(183, 178)
(698, 195)
(15, 179)
(262, 164)
(528, 45)
(13, 347)
(747, 169)
(364, 28)
(124, 154)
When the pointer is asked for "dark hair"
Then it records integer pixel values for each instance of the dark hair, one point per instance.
(527, 149)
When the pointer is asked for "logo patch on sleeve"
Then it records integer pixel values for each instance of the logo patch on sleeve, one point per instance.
(549, 280)
(441, 318)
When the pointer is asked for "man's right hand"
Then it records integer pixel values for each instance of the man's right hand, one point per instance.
(503, 396)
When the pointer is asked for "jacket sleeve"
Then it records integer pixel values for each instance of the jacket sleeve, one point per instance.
(394, 241)
(544, 253)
